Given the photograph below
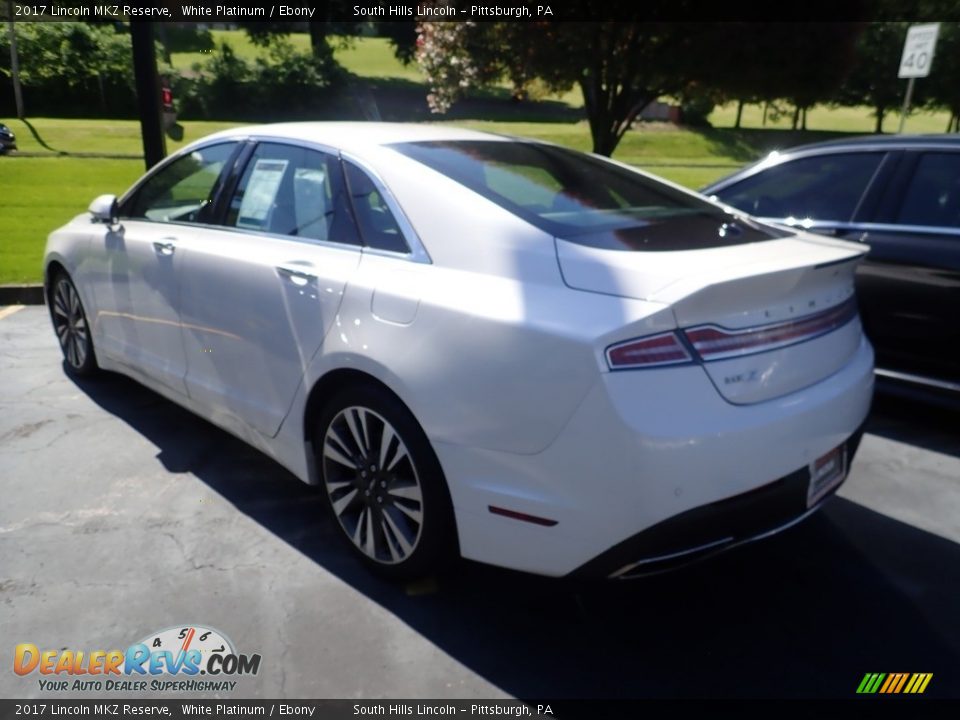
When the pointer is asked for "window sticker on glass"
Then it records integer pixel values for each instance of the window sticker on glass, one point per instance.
(261, 192)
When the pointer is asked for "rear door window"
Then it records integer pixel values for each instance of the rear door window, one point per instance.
(933, 196)
(295, 191)
(378, 225)
(821, 187)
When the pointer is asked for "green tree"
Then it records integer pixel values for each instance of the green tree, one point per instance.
(620, 66)
(873, 80)
(66, 61)
(942, 86)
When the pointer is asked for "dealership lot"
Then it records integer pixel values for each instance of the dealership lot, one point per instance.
(123, 514)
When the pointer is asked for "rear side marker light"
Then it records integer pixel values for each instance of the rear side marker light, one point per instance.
(651, 351)
(513, 514)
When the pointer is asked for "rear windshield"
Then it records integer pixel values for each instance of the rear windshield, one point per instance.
(584, 199)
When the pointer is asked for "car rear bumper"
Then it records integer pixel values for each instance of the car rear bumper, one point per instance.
(709, 529)
(648, 448)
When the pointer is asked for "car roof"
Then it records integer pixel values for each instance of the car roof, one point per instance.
(857, 143)
(356, 136)
(886, 141)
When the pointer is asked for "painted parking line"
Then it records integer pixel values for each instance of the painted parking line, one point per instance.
(10, 310)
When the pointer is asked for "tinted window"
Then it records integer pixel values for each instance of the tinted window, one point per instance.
(823, 187)
(183, 190)
(585, 199)
(378, 226)
(933, 197)
(289, 190)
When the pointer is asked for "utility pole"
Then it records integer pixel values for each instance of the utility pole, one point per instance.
(148, 92)
(15, 64)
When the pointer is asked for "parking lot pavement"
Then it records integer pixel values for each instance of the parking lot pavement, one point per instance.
(123, 514)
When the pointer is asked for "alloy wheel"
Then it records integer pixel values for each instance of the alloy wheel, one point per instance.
(373, 485)
(70, 324)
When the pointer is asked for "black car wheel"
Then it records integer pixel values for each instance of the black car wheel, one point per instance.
(384, 485)
(71, 326)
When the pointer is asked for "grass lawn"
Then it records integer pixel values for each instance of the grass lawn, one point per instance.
(113, 137)
(837, 119)
(40, 194)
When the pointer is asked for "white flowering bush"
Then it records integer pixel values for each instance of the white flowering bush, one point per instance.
(443, 58)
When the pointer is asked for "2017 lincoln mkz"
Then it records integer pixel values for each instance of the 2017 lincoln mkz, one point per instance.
(479, 345)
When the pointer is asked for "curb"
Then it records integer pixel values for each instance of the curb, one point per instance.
(21, 294)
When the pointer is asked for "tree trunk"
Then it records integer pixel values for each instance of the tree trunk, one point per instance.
(879, 113)
(803, 119)
(796, 116)
(318, 38)
(596, 101)
(766, 107)
(103, 94)
(736, 123)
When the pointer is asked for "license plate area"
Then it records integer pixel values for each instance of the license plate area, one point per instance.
(826, 473)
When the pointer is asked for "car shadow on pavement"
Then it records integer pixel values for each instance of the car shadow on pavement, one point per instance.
(804, 614)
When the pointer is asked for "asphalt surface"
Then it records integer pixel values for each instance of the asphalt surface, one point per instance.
(123, 514)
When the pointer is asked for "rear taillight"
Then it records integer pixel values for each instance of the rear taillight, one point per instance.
(711, 342)
(716, 343)
(663, 349)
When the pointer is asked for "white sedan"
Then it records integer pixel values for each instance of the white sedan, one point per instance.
(478, 345)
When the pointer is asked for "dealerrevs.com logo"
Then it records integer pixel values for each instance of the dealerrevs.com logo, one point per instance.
(173, 659)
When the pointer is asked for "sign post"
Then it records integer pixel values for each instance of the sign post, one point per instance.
(916, 60)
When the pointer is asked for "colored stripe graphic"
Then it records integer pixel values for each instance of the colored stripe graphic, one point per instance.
(903, 679)
(894, 683)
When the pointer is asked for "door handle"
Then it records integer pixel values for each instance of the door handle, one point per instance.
(295, 275)
(164, 246)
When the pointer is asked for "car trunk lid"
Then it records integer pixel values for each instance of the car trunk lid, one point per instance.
(764, 319)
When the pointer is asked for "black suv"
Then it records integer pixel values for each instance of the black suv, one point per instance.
(899, 194)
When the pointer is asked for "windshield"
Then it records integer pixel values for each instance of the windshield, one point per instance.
(585, 199)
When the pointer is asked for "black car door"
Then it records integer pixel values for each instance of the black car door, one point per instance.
(910, 285)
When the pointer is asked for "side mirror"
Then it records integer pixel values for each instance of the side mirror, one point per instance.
(104, 209)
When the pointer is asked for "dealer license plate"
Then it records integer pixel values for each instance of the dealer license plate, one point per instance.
(826, 473)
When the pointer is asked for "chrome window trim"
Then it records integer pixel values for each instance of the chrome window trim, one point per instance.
(333, 245)
(864, 226)
(418, 253)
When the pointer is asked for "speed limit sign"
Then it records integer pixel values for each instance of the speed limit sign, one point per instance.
(918, 50)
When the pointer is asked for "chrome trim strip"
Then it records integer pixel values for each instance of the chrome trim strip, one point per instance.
(844, 312)
(660, 558)
(815, 225)
(620, 574)
(920, 229)
(918, 379)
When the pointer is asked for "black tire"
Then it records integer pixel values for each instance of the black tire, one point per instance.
(71, 327)
(388, 499)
